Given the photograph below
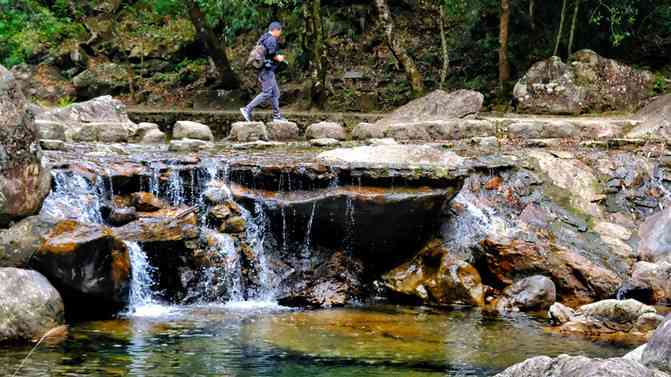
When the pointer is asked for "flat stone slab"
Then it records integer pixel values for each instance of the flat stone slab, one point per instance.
(393, 156)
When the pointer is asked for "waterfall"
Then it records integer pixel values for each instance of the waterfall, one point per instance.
(74, 198)
(255, 235)
(306, 252)
(140, 298)
(175, 188)
(230, 278)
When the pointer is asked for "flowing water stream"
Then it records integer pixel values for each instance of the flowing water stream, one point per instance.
(250, 335)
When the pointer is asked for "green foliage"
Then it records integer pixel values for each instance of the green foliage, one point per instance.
(65, 101)
(661, 84)
(28, 28)
(620, 15)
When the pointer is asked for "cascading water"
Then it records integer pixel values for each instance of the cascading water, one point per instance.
(141, 301)
(73, 197)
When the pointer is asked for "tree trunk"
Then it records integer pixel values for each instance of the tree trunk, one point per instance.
(504, 65)
(315, 47)
(561, 28)
(443, 42)
(406, 61)
(532, 15)
(573, 27)
(227, 78)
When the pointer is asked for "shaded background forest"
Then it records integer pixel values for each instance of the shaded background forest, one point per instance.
(171, 53)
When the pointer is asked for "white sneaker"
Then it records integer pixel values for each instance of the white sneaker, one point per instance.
(245, 114)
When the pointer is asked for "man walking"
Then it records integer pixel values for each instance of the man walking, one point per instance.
(269, 89)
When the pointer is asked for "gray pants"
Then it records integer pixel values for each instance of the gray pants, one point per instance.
(270, 91)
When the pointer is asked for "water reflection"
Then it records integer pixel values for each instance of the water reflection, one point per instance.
(266, 340)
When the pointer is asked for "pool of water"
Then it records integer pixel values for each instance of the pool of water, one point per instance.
(262, 339)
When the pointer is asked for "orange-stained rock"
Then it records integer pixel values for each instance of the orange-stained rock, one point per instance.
(579, 280)
(437, 277)
(89, 266)
(147, 202)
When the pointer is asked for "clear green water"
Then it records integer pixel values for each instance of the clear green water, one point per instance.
(368, 341)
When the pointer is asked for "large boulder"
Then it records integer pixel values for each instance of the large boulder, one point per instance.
(651, 282)
(436, 277)
(608, 318)
(29, 305)
(192, 130)
(535, 293)
(436, 106)
(578, 278)
(101, 79)
(326, 130)
(102, 119)
(579, 366)
(24, 181)
(588, 83)
(655, 235)
(657, 353)
(88, 265)
(656, 121)
(19, 242)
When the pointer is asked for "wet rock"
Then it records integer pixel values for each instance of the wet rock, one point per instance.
(88, 265)
(191, 130)
(578, 279)
(436, 277)
(188, 145)
(324, 142)
(657, 353)
(29, 305)
(19, 242)
(52, 145)
(217, 192)
(535, 293)
(636, 354)
(560, 313)
(245, 132)
(335, 282)
(24, 181)
(326, 130)
(364, 131)
(384, 227)
(282, 131)
(455, 129)
(235, 224)
(656, 121)
(613, 318)
(122, 216)
(436, 106)
(655, 235)
(383, 141)
(101, 119)
(169, 228)
(652, 281)
(147, 202)
(579, 366)
(589, 83)
(101, 79)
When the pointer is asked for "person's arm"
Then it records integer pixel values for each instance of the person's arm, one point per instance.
(271, 47)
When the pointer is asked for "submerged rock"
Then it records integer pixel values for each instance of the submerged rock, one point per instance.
(24, 181)
(335, 282)
(579, 366)
(326, 130)
(535, 293)
(29, 305)
(191, 130)
(588, 83)
(609, 318)
(436, 277)
(88, 265)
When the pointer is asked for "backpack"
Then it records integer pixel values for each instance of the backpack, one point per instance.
(257, 57)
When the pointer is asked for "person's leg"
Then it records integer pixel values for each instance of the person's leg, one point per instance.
(266, 92)
(275, 101)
